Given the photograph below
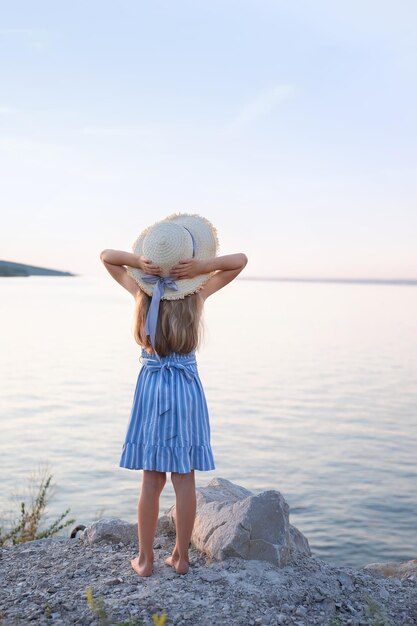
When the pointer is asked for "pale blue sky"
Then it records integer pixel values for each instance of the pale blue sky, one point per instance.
(290, 125)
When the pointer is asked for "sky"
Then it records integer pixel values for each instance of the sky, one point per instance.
(290, 125)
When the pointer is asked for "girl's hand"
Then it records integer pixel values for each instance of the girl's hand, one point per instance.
(189, 268)
(148, 267)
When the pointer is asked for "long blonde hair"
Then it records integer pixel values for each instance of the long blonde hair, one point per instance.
(179, 325)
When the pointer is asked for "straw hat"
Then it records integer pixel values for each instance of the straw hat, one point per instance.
(177, 237)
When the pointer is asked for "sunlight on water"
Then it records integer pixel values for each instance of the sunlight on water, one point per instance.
(311, 389)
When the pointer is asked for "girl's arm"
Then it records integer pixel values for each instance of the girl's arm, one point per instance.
(115, 260)
(226, 268)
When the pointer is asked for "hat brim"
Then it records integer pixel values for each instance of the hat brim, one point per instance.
(207, 245)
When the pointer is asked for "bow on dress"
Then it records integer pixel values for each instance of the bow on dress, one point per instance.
(165, 369)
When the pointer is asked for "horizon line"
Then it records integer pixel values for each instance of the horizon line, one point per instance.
(316, 279)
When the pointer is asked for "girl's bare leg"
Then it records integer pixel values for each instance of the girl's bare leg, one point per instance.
(185, 506)
(148, 510)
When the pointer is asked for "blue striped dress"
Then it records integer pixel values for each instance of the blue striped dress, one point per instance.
(168, 429)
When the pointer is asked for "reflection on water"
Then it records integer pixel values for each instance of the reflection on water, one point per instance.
(311, 389)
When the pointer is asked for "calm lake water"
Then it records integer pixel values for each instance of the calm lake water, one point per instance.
(311, 387)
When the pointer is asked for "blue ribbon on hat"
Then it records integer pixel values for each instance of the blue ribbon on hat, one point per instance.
(192, 239)
(161, 283)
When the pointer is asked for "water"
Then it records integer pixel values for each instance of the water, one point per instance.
(311, 389)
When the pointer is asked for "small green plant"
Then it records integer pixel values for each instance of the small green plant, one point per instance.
(375, 613)
(99, 610)
(97, 607)
(47, 609)
(336, 621)
(27, 527)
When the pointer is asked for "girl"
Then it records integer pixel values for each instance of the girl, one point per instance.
(174, 267)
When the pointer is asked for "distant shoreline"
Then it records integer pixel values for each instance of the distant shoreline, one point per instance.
(9, 269)
(364, 281)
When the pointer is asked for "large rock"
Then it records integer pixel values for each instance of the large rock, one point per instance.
(395, 569)
(233, 521)
(299, 542)
(111, 530)
(114, 530)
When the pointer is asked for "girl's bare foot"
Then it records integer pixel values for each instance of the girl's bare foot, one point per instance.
(180, 565)
(170, 561)
(144, 568)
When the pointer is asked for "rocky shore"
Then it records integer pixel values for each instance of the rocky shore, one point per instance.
(236, 577)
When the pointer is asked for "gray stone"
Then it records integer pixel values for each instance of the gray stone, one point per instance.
(300, 611)
(164, 526)
(232, 521)
(210, 576)
(398, 569)
(111, 582)
(112, 530)
(383, 593)
(299, 542)
(345, 580)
